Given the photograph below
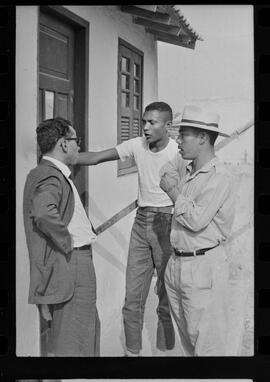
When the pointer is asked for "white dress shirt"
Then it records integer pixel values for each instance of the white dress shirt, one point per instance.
(79, 226)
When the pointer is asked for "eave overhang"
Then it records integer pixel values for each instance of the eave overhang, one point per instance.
(165, 22)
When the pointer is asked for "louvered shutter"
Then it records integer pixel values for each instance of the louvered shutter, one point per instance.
(129, 98)
(125, 128)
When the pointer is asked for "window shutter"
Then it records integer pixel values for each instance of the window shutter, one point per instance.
(130, 69)
(125, 128)
(136, 127)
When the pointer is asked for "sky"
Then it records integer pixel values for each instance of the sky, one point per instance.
(219, 72)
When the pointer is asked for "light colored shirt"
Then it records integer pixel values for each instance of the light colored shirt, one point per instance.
(151, 166)
(79, 226)
(204, 209)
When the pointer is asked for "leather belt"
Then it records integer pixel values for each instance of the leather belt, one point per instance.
(165, 210)
(198, 252)
(83, 248)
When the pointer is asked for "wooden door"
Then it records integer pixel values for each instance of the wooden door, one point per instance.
(56, 68)
(63, 39)
(57, 81)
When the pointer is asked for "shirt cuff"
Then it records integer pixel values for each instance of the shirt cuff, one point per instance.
(180, 204)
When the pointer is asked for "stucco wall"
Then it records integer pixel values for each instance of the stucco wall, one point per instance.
(108, 193)
(27, 327)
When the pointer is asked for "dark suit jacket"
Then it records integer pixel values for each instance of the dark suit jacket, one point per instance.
(48, 206)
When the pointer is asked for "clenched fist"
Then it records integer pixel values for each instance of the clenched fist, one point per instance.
(169, 184)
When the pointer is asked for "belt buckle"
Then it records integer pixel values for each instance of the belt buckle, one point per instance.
(194, 253)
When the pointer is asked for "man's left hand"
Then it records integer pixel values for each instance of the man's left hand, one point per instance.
(45, 312)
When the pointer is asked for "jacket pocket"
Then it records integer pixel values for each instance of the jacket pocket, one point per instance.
(202, 274)
(47, 279)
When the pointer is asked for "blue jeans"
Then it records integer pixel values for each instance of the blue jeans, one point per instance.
(149, 248)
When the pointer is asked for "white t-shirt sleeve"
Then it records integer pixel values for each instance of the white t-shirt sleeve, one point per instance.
(126, 149)
(181, 165)
(176, 166)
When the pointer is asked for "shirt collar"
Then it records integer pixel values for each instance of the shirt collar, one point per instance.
(62, 167)
(206, 168)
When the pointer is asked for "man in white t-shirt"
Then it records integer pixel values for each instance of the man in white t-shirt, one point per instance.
(149, 246)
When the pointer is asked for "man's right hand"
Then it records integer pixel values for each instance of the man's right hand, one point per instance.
(91, 158)
(169, 184)
(45, 312)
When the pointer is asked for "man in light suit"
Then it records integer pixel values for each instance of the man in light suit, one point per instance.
(59, 236)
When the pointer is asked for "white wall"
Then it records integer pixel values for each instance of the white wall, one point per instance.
(108, 193)
(27, 326)
(219, 75)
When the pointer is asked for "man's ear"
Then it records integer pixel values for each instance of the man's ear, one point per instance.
(203, 137)
(168, 124)
(63, 145)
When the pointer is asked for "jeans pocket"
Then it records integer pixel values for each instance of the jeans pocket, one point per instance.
(202, 274)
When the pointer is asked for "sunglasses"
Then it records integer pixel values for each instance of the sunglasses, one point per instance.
(77, 139)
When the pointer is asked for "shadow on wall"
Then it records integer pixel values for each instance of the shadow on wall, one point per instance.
(117, 235)
(109, 257)
(98, 213)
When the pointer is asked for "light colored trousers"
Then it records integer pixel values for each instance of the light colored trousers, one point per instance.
(197, 290)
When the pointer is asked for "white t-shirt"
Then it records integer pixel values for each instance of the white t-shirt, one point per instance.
(150, 167)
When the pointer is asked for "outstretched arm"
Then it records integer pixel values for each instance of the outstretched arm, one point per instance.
(92, 158)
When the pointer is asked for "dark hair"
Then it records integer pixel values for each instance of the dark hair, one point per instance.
(50, 131)
(212, 136)
(160, 106)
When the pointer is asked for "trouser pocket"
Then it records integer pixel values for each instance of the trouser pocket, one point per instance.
(202, 273)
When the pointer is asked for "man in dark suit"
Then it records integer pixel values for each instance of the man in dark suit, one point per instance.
(59, 236)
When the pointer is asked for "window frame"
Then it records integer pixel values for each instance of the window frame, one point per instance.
(132, 167)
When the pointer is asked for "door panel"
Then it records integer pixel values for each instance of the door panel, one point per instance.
(62, 105)
(54, 53)
(56, 93)
(56, 67)
(49, 104)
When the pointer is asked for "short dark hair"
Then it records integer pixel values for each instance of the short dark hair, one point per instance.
(160, 106)
(50, 131)
(212, 136)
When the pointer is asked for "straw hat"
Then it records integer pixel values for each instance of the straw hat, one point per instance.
(195, 116)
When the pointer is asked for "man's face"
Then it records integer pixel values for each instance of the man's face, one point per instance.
(155, 125)
(73, 147)
(189, 142)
